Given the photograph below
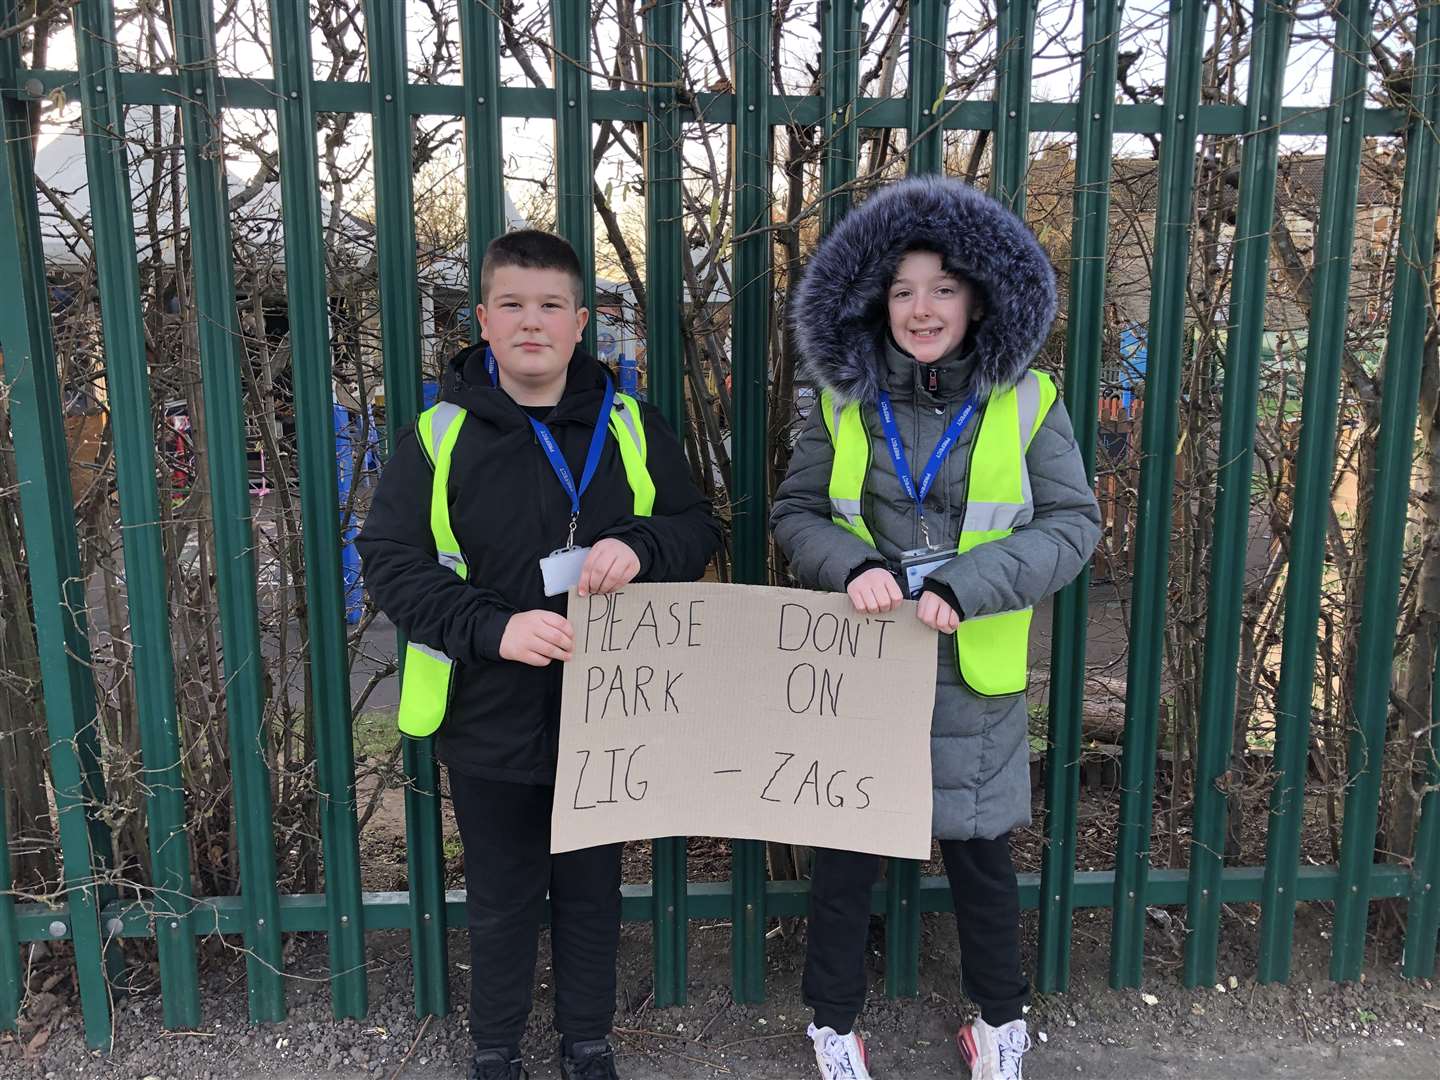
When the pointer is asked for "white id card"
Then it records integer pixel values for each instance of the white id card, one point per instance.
(914, 565)
(560, 570)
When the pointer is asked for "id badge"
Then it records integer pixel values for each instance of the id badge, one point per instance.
(914, 565)
(560, 570)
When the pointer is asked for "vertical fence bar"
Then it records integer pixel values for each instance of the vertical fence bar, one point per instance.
(1423, 914)
(1152, 532)
(750, 336)
(1083, 336)
(902, 928)
(11, 990)
(127, 385)
(574, 143)
(1015, 34)
(840, 42)
(925, 154)
(48, 523)
(484, 182)
(1270, 43)
(840, 65)
(926, 151)
(400, 344)
(747, 922)
(669, 919)
(1404, 357)
(1329, 310)
(665, 387)
(394, 213)
(218, 331)
(310, 361)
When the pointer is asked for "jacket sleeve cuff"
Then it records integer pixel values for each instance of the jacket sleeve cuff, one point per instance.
(944, 592)
(864, 568)
(637, 542)
(487, 640)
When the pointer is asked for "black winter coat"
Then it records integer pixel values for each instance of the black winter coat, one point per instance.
(508, 511)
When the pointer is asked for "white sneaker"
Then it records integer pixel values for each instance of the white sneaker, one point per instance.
(993, 1053)
(840, 1057)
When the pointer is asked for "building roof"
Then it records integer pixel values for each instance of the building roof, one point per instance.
(60, 166)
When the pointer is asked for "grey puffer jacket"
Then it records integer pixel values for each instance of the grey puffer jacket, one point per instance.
(979, 746)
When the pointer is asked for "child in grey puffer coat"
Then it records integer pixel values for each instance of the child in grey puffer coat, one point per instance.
(918, 317)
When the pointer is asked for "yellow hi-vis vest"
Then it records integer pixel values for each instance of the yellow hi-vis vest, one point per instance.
(991, 652)
(428, 673)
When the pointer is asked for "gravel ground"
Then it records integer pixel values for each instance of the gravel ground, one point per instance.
(1383, 1026)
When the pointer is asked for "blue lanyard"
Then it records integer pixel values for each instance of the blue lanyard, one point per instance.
(937, 456)
(552, 449)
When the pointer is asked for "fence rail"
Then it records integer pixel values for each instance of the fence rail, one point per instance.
(93, 919)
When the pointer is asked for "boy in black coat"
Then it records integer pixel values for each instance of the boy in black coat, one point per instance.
(509, 509)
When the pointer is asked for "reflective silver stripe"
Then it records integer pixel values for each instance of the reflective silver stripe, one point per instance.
(442, 417)
(623, 408)
(848, 509)
(434, 654)
(451, 560)
(989, 516)
(1025, 492)
(1027, 394)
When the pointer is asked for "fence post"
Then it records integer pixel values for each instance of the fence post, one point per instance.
(925, 154)
(484, 186)
(310, 362)
(925, 99)
(1270, 45)
(750, 336)
(1015, 45)
(400, 345)
(1400, 393)
(574, 143)
(1159, 425)
(127, 385)
(1423, 915)
(11, 976)
(1084, 330)
(218, 332)
(840, 43)
(664, 298)
(1329, 312)
(48, 521)
(664, 295)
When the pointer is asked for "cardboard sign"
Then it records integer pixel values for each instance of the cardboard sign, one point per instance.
(745, 711)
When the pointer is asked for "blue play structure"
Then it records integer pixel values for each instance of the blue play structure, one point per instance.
(348, 429)
(1132, 362)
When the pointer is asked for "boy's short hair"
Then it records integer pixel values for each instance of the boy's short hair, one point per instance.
(531, 249)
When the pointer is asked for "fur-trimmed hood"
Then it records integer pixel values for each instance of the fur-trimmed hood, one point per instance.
(838, 310)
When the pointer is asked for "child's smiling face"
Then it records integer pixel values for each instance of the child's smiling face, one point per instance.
(930, 310)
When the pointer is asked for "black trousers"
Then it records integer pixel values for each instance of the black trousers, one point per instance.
(508, 871)
(987, 915)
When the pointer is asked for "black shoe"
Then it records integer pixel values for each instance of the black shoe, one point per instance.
(496, 1065)
(593, 1059)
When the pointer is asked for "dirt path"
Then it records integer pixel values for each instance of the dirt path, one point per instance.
(1383, 1026)
(1361, 1061)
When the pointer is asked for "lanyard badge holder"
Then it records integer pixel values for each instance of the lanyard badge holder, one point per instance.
(918, 562)
(560, 570)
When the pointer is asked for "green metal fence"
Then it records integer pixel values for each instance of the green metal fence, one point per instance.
(92, 919)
